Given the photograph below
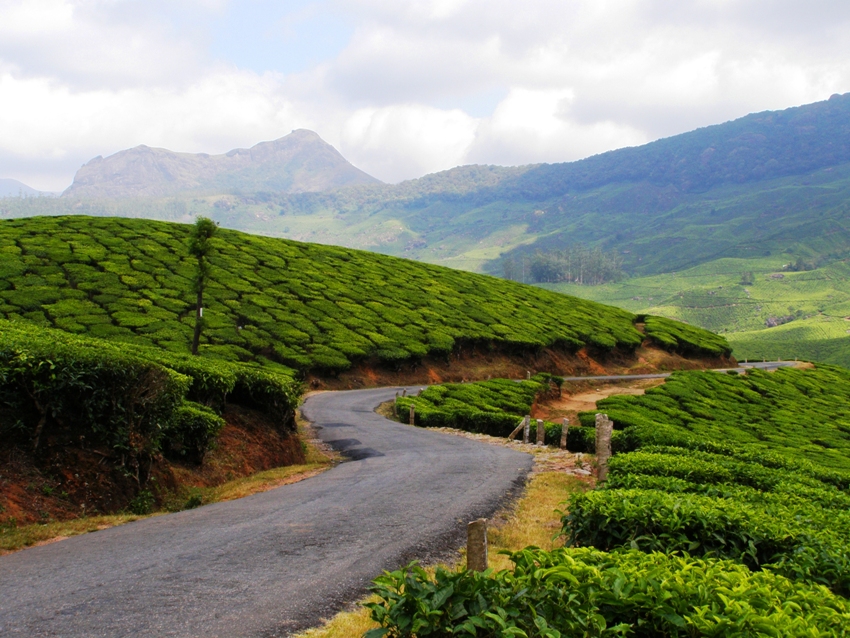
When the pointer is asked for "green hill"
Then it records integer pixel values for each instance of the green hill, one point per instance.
(276, 301)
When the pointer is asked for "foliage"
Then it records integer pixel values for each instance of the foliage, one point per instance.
(306, 306)
(684, 339)
(129, 399)
(190, 432)
(753, 468)
(794, 412)
(578, 264)
(495, 407)
(585, 592)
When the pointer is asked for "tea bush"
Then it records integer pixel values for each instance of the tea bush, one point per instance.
(586, 592)
(753, 468)
(495, 407)
(126, 398)
(302, 305)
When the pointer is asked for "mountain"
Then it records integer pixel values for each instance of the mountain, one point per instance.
(297, 163)
(14, 188)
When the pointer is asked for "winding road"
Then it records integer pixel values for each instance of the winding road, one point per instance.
(272, 563)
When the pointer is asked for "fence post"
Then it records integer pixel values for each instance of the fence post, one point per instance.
(565, 430)
(516, 431)
(526, 429)
(476, 545)
(528, 375)
(604, 428)
(541, 432)
(412, 415)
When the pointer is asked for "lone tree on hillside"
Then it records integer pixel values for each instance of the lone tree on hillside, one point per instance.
(200, 247)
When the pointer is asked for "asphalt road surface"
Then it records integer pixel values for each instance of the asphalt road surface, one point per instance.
(272, 563)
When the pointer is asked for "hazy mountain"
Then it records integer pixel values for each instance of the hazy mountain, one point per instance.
(14, 188)
(300, 162)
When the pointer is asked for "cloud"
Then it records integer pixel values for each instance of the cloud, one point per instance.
(403, 141)
(553, 80)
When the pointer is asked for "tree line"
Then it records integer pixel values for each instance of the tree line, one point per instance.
(575, 264)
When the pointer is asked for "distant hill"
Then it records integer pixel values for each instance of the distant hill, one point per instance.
(300, 162)
(14, 188)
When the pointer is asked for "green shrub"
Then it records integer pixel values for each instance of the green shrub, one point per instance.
(799, 542)
(286, 296)
(190, 432)
(585, 592)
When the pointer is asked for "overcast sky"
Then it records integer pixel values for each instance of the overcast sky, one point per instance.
(401, 88)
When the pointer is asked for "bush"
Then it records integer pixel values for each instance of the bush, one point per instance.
(585, 592)
(308, 306)
(190, 432)
(799, 542)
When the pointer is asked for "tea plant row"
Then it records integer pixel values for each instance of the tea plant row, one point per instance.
(130, 401)
(725, 513)
(302, 305)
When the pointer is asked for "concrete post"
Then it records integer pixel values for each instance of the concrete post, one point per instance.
(412, 415)
(516, 431)
(528, 375)
(541, 432)
(395, 405)
(526, 429)
(565, 430)
(604, 428)
(476, 545)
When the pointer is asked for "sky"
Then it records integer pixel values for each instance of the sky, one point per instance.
(400, 87)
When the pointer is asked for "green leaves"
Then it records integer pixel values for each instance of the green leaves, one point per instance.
(586, 592)
(301, 305)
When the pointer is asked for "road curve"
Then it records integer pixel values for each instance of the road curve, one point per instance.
(272, 563)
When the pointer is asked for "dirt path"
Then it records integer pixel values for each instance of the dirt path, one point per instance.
(583, 396)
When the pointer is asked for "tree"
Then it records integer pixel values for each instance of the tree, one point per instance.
(200, 247)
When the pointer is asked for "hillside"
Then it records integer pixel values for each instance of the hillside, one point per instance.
(299, 162)
(310, 307)
(14, 188)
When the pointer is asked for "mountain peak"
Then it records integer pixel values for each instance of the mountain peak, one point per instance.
(296, 163)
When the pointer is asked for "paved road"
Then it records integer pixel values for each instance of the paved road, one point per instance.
(272, 563)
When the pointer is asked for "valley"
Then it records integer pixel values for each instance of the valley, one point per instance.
(732, 242)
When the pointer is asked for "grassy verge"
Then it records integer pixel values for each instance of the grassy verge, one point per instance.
(318, 459)
(532, 520)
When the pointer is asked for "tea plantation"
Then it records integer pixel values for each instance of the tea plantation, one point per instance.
(727, 513)
(493, 407)
(300, 305)
(135, 401)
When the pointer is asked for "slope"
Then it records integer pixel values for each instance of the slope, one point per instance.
(310, 307)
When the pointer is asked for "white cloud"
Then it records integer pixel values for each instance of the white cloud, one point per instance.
(398, 142)
(561, 79)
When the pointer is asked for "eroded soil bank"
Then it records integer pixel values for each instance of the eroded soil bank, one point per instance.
(475, 364)
(64, 482)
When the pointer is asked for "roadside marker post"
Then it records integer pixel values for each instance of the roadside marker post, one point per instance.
(604, 428)
(412, 415)
(526, 431)
(476, 545)
(541, 432)
(565, 430)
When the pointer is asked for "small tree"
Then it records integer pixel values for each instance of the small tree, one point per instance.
(200, 247)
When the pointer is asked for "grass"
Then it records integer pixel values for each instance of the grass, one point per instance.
(712, 296)
(533, 520)
(15, 538)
